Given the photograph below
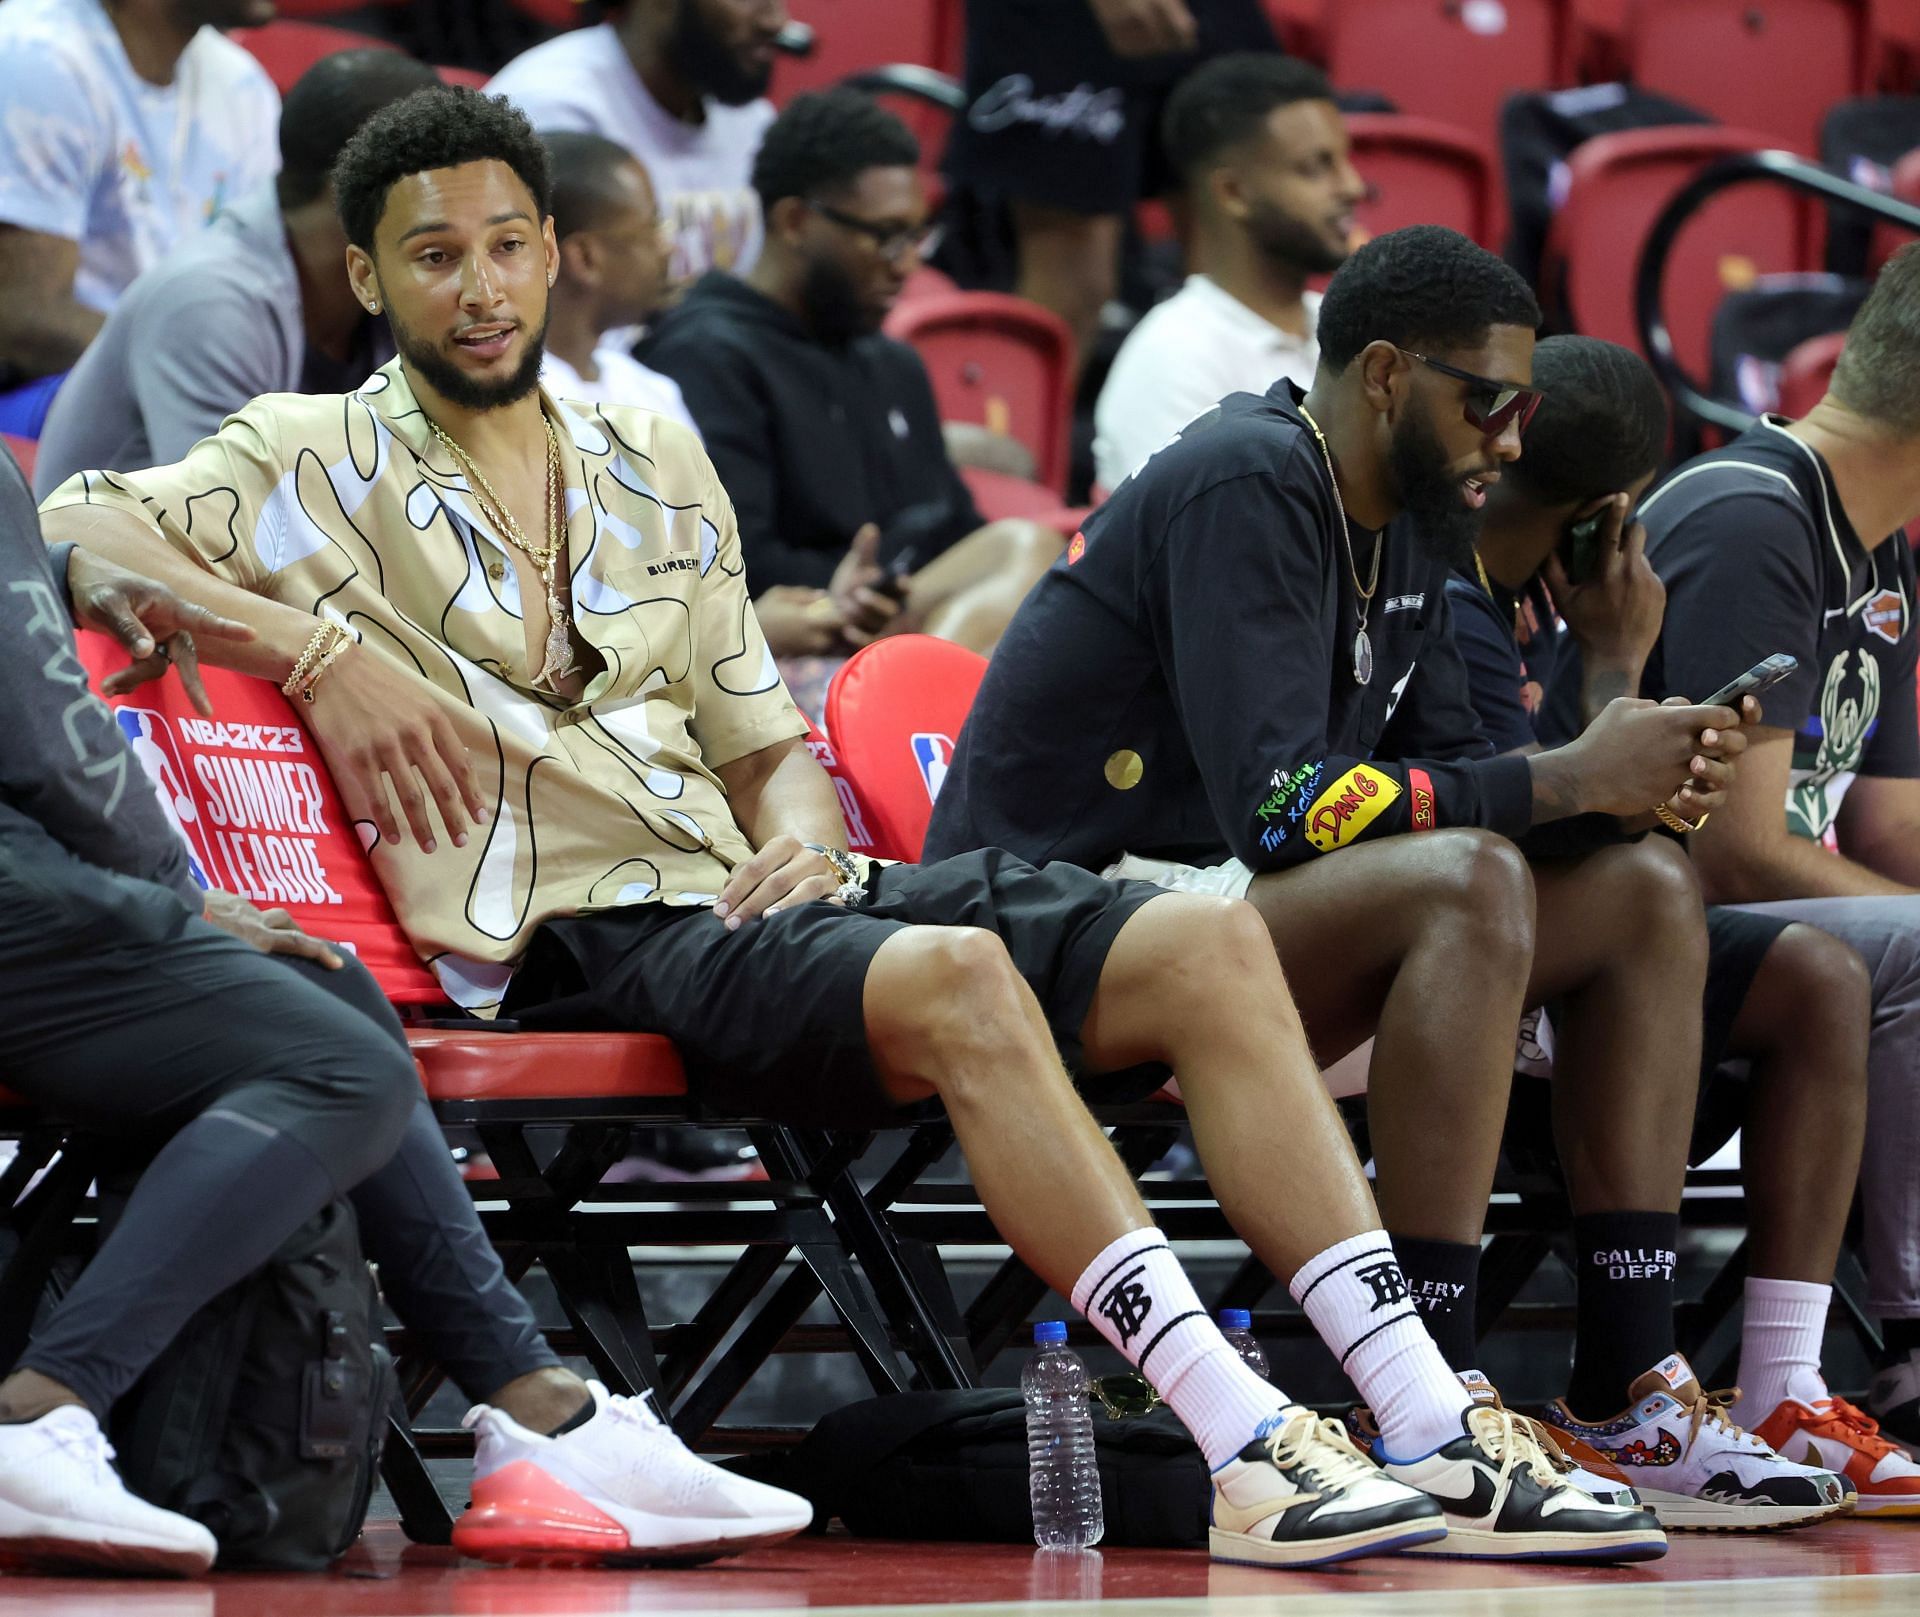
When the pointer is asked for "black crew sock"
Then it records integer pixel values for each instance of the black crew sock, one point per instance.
(1443, 1283)
(1900, 1339)
(577, 1419)
(1624, 1266)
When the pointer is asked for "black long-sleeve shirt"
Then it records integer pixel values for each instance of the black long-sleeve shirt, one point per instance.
(1181, 684)
(65, 767)
(810, 441)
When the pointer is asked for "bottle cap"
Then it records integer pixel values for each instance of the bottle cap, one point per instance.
(1049, 1331)
(1235, 1319)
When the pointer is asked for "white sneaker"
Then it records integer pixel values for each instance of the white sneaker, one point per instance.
(1694, 1468)
(622, 1487)
(64, 1508)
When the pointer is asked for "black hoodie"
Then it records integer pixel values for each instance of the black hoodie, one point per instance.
(810, 441)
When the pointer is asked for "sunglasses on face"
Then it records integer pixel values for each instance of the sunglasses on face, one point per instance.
(1489, 405)
(892, 242)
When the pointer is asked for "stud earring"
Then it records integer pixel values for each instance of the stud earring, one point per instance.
(374, 307)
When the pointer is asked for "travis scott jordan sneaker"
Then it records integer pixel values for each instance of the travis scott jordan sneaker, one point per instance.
(1693, 1467)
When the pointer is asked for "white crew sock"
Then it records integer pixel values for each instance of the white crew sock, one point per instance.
(1356, 1297)
(1137, 1296)
(1780, 1341)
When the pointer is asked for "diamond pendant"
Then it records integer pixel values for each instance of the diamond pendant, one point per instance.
(1362, 657)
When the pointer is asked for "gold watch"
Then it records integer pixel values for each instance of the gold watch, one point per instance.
(1674, 823)
(853, 890)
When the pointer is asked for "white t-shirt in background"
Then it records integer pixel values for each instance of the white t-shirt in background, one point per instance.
(702, 173)
(92, 152)
(1185, 356)
(622, 380)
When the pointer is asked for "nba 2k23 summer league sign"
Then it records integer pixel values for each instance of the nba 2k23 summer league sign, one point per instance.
(246, 799)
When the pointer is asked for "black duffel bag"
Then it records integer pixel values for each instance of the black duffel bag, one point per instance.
(953, 1465)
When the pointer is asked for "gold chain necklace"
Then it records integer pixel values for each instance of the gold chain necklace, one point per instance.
(558, 660)
(1362, 646)
(1486, 584)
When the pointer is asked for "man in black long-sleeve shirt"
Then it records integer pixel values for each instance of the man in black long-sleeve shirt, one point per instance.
(1241, 679)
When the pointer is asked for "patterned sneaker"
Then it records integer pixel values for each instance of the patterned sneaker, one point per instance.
(1586, 1468)
(63, 1508)
(1836, 1436)
(621, 1488)
(1507, 1501)
(1895, 1402)
(1300, 1494)
(1693, 1467)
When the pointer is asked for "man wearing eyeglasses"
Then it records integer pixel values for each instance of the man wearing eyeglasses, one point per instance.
(1241, 679)
(824, 431)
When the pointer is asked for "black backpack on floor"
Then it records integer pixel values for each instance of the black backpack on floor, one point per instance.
(264, 1418)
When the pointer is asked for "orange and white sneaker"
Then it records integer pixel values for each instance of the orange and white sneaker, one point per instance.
(1835, 1436)
(621, 1487)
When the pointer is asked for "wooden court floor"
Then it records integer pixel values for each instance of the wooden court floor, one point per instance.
(1838, 1568)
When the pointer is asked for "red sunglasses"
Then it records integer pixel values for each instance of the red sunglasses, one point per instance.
(1489, 405)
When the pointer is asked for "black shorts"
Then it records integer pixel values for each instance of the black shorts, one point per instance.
(1054, 117)
(770, 1020)
(1736, 944)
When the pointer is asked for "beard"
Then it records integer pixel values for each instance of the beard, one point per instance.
(835, 313)
(705, 62)
(1289, 242)
(456, 386)
(1444, 526)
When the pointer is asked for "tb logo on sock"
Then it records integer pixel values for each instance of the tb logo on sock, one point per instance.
(1127, 1305)
(1387, 1283)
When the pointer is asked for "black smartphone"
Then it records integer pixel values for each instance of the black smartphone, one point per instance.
(1580, 548)
(1769, 671)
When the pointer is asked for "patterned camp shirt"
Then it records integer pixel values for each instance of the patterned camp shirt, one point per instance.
(348, 507)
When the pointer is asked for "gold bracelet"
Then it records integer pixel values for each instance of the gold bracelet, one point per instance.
(327, 658)
(325, 645)
(1674, 823)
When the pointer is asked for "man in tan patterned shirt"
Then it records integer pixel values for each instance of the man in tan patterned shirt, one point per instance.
(638, 837)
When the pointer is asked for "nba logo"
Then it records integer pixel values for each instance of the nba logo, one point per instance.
(933, 753)
(151, 742)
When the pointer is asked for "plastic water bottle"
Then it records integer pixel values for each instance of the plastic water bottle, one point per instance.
(1236, 1325)
(1064, 1481)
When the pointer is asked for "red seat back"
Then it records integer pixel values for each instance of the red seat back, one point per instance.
(859, 835)
(1893, 46)
(1456, 60)
(25, 450)
(894, 711)
(1001, 361)
(1618, 185)
(1424, 173)
(252, 799)
(286, 48)
(1775, 66)
(851, 36)
(1805, 372)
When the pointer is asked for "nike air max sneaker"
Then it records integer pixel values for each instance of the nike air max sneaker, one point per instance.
(620, 1488)
(1506, 1500)
(1835, 1436)
(63, 1508)
(1694, 1468)
(1300, 1495)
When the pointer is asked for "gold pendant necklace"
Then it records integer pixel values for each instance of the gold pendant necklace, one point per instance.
(1362, 646)
(558, 661)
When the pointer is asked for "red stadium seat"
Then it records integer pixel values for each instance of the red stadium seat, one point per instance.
(1805, 372)
(894, 711)
(286, 49)
(1592, 32)
(850, 36)
(1888, 239)
(1300, 26)
(25, 450)
(859, 838)
(1425, 173)
(1001, 494)
(1618, 185)
(1456, 60)
(1001, 361)
(1771, 65)
(1893, 46)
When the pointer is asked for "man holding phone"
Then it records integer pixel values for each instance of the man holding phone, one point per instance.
(1789, 540)
(1784, 999)
(1242, 680)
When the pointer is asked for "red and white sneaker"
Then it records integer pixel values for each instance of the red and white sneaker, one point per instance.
(1835, 1436)
(621, 1488)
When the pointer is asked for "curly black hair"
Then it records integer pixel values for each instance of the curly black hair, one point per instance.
(1227, 101)
(827, 140)
(440, 127)
(1601, 427)
(1421, 287)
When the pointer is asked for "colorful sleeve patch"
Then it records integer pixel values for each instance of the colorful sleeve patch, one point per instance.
(1286, 802)
(1421, 785)
(1349, 806)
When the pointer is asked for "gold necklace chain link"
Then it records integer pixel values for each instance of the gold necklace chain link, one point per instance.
(1364, 591)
